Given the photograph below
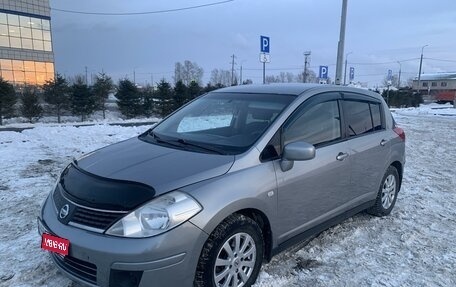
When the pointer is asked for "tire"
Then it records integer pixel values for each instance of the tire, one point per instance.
(244, 269)
(387, 193)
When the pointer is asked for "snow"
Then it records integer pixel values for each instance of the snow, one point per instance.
(411, 247)
(112, 116)
(429, 110)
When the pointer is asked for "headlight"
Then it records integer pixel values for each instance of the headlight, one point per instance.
(157, 216)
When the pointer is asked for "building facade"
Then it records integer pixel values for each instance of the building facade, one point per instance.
(439, 87)
(26, 54)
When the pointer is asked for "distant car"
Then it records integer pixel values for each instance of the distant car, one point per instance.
(222, 184)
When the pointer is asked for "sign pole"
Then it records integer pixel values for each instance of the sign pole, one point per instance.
(264, 72)
(264, 55)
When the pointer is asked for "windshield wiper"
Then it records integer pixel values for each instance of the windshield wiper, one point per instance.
(160, 140)
(211, 149)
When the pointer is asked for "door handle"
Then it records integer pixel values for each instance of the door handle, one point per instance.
(383, 142)
(341, 156)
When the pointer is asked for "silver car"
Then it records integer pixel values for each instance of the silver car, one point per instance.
(223, 184)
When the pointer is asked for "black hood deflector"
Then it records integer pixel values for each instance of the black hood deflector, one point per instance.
(98, 192)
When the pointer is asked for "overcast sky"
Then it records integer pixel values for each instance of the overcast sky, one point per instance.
(377, 32)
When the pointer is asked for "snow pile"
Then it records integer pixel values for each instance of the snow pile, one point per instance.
(112, 116)
(414, 246)
(428, 110)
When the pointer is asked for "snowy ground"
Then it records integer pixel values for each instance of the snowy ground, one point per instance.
(414, 246)
(96, 118)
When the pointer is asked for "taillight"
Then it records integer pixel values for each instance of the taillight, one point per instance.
(400, 132)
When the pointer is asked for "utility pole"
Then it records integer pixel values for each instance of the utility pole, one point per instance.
(87, 76)
(134, 77)
(240, 76)
(340, 46)
(304, 76)
(399, 78)
(232, 69)
(419, 72)
(345, 70)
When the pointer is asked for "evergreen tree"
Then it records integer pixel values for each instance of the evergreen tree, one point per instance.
(101, 89)
(129, 99)
(209, 87)
(83, 102)
(56, 94)
(165, 98)
(31, 108)
(179, 95)
(148, 99)
(404, 97)
(7, 99)
(194, 90)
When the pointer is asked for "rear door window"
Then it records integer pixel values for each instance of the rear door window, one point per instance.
(376, 118)
(357, 117)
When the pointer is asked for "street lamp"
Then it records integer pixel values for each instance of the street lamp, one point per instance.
(345, 71)
(399, 78)
(419, 72)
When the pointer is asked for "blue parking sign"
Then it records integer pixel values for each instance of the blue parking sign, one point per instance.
(352, 74)
(264, 44)
(323, 72)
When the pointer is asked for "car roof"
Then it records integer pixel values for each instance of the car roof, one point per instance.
(287, 89)
(292, 89)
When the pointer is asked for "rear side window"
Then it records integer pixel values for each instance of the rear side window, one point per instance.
(376, 118)
(358, 117)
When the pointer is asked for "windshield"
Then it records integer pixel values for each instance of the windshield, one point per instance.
(228, 123)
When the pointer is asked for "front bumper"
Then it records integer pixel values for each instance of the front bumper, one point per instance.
(169, 259)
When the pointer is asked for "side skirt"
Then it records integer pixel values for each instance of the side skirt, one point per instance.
(314, 231)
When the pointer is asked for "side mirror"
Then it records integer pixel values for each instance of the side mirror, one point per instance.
(296, 151)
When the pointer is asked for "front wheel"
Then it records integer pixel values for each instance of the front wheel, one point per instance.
(387, 194)
(232, 255)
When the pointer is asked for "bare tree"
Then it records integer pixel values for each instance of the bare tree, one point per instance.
(272, 79)
(188, 72)
(410, 82)
(311, 77)
(290, 77)
(394, 81)
(221, 77)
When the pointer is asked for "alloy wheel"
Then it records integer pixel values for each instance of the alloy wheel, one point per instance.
(388, 191)
(235, 261)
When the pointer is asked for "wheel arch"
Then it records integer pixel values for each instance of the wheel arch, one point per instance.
(262, 220)
(400, 170)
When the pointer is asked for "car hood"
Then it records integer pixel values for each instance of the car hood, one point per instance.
(162, 168)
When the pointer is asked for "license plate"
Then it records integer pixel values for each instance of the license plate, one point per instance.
(55, 244)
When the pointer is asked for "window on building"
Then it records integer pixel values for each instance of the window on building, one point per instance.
(443, 84)
(434, 84)
(24, 32)
(425, 84)
(26, 72)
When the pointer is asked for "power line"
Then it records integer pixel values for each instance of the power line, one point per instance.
(385, 63)
(441, 60)
(142, 13)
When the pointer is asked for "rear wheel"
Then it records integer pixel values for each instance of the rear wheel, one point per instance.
(233, 254)
(387, 194)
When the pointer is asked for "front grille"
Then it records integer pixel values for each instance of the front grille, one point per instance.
(84, 270)
(94, 218)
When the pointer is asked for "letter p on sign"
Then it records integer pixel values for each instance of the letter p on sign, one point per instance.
(264, 44)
